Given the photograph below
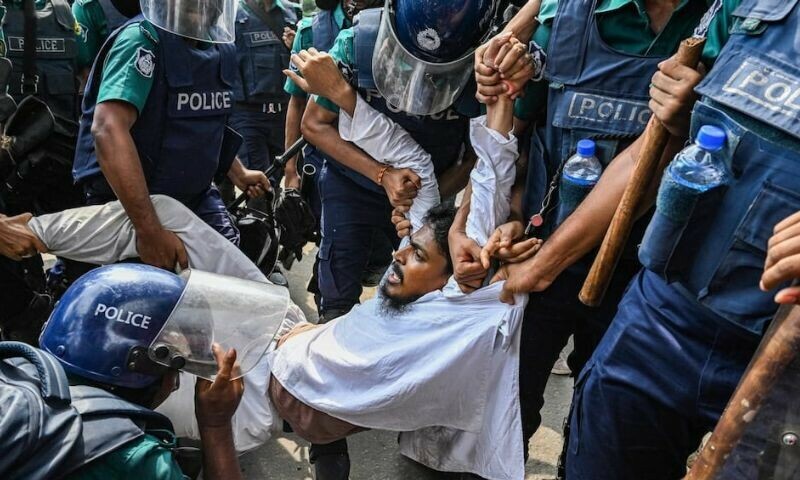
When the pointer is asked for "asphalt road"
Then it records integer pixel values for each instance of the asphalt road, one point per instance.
(374, 454)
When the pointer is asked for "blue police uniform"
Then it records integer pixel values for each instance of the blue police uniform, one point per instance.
(260, 111)
(595, 92)
(689, 324)
(191, 99)
(56, 57)
(356, 214)
(324, 30)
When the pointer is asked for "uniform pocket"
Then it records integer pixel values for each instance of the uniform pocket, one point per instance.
(267, 71)
(733, 288)
(668, 245)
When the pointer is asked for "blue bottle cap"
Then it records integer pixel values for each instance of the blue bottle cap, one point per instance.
(585, 147)
(710, 138)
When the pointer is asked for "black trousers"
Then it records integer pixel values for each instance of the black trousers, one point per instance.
(551, 317)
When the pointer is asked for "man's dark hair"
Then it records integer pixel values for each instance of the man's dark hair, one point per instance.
(440, 219)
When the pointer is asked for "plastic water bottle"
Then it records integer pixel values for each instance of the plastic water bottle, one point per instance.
(688, 195)
(699, 166)
(580, 175)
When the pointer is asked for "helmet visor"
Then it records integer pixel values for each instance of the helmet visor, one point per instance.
(218, 313)
(203, 20)
(413, 85)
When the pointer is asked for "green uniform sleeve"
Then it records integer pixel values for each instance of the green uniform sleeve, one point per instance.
(129, 67)
(341, 51)
(535, 98)
(145, 457)
(719, 31)
(94, 30)
(302, 41)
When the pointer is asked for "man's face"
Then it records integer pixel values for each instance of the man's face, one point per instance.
(202, 13)
(418, 269)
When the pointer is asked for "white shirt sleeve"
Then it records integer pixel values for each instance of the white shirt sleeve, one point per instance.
(388, 143)
(103, 234)
(492, 179)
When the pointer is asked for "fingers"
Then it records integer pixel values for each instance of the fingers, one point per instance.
(664, 82)
(502, 53)
(490, 248)
(486, 75)
(493, 47)
(182, 257)
(789, 296)
(788, 222)
(225, 363)
(510, 65)
(411, 176)
(781, 250)
(507, 296)
(786, 269)
(519, 252)
(297, 79)
(677, 71)
(660, 95)
(471, 286)
(493, 90)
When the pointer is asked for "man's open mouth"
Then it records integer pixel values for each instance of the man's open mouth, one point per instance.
(395, 276)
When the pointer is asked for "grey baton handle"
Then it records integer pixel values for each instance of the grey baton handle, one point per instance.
(278, 162)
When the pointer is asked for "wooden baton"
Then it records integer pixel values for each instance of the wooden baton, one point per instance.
(647, 166)
(777, 351)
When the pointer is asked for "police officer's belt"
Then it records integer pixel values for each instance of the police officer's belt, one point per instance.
(271, 107)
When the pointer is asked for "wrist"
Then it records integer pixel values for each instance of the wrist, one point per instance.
(147, 229)
(382, 174)
(215, 427)
(341, 93)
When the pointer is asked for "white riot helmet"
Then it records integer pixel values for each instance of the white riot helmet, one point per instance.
(204, 20)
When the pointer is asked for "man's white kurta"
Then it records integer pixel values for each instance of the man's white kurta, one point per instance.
(447, 366)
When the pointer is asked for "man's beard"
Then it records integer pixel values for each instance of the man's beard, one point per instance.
(395, 305)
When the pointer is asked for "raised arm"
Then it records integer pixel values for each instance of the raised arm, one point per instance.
(319, 125)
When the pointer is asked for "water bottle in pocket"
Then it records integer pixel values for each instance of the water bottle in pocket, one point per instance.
(689, 190)
(580, 174)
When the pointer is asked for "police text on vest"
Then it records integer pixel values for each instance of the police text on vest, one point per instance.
(204, 102)
(604, 109)
(767, 86)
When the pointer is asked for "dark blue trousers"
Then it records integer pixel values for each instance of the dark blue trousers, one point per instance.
(356, 229)
(657, 382)
(264, 135)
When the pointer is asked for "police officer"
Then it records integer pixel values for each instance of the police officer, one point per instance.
(602, 56)
(319, 32)
(97, 19)
(358, 192)
(155, 113)
(107, 334)
(51, 72)
(690, 322)
(260, 110)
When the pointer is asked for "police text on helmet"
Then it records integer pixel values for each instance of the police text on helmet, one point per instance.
(139, 320)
